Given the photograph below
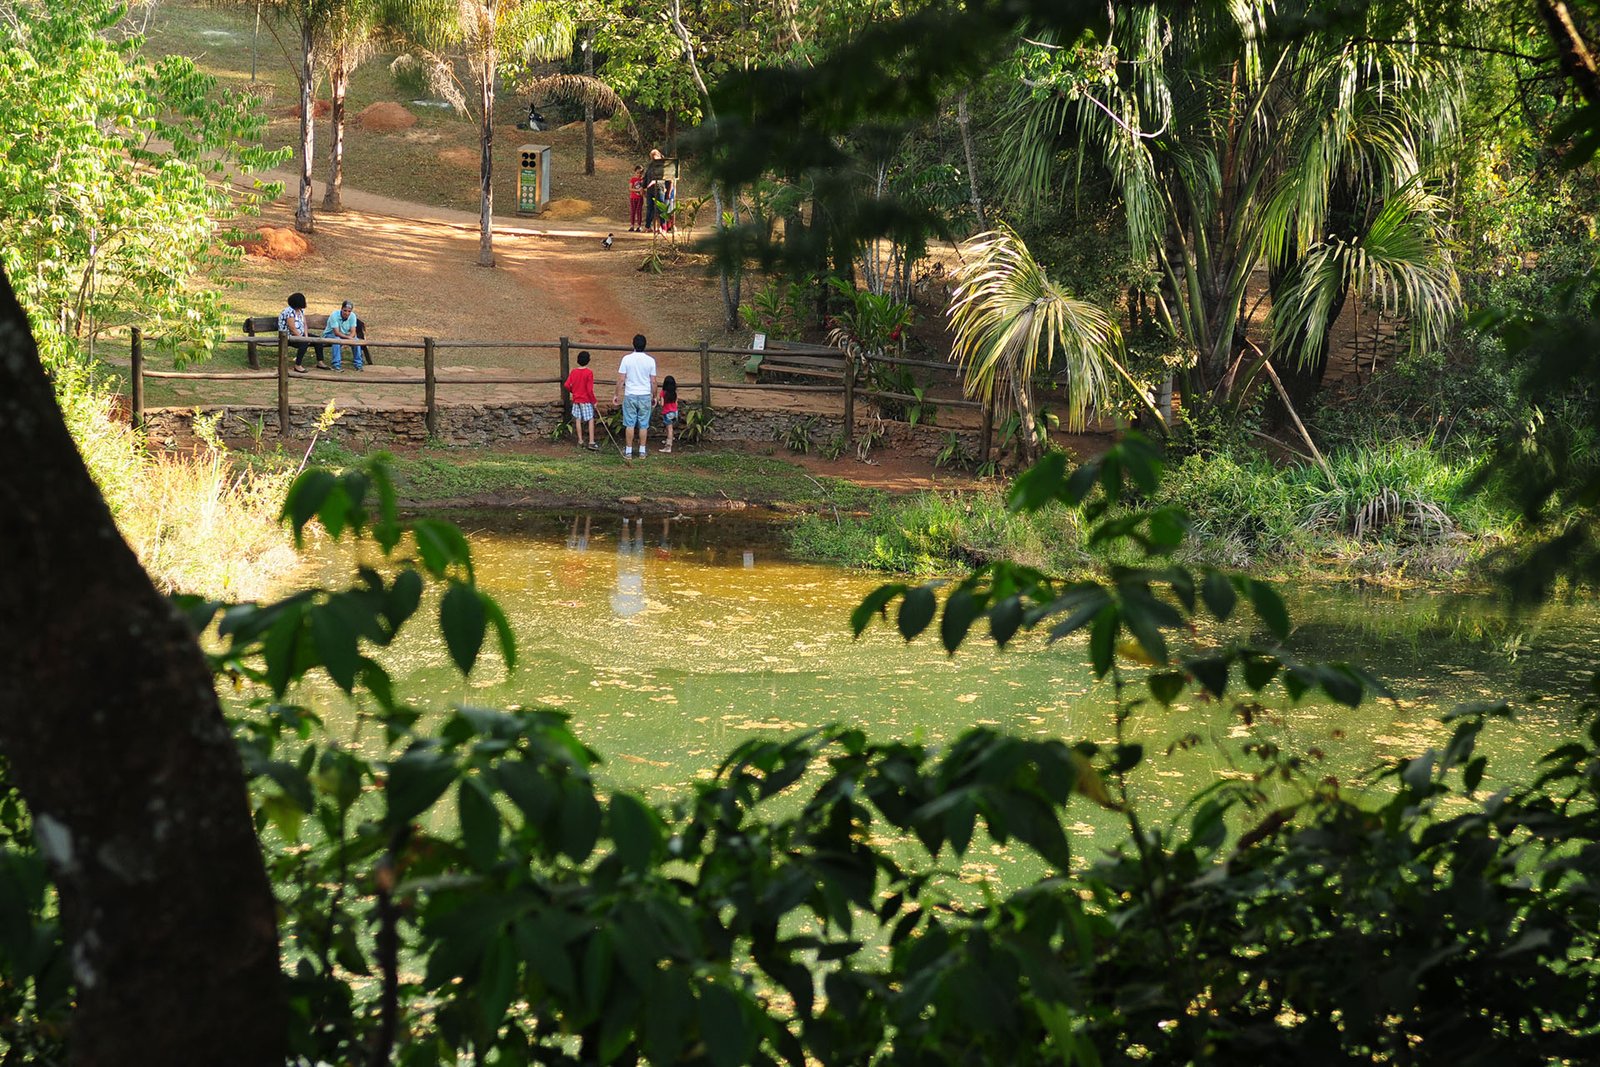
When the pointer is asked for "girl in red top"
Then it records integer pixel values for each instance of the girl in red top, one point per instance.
(580, 383)
(636, 200)
(669, 407)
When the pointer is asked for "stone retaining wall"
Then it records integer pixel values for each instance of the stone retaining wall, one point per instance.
(361, 428)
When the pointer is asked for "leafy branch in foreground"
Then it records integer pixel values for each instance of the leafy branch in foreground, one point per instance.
(468, 891)
(1134, 609)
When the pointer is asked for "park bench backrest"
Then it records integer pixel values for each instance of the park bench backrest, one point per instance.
(268, 324)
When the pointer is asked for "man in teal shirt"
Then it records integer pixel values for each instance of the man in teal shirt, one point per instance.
(342, 323)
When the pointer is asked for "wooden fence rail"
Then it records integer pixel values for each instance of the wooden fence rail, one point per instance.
(430, 380)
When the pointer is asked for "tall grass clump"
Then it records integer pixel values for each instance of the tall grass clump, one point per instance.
(1391, 489)
(1242, 511)
(200, 523)
(936, 533)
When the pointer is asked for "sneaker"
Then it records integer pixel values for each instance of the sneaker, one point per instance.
(627, 453)
(666, 449)
(593, 447)
(641, 453)
(360, 367)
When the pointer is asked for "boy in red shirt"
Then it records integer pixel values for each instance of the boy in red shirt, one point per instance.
(580, 383)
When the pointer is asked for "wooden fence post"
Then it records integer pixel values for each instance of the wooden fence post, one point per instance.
(566, 369)
(849, 399)
(705, 375)
(429, 388)
(283, 384)
(251, 355)
(136, 374)
(988, 430)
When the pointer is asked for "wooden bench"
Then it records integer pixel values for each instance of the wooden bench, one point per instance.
(266, 326)
(795, 359)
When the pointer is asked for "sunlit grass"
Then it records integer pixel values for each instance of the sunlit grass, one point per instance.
(199, 523)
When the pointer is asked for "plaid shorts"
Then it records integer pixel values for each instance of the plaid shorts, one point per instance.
(583, 412)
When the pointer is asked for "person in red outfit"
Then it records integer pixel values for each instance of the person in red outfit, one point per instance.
(636, 200)
(580, 383)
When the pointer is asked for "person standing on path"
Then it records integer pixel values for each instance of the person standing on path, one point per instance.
(636, 200)
(636, 389)
(655, 173)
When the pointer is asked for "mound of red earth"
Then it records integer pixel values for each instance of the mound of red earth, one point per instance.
(276, 242)
(386, 117)
(319, 109)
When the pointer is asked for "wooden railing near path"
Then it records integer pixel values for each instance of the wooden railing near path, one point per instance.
(430, 380)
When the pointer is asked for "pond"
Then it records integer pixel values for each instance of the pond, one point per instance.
(670, 641)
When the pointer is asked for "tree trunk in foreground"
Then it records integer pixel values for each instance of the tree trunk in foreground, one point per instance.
(111, 728)
(303, 220)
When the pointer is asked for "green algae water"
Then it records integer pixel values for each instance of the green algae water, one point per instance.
(670, 641)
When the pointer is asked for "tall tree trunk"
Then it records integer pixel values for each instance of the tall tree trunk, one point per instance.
(732, 282)
(333, 198)
(964, 120)
(1022, 400)
(588, 105)
(110, 726)
(486, 170)
(303, 220)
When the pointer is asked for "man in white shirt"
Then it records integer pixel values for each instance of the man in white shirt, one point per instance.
(636, 388)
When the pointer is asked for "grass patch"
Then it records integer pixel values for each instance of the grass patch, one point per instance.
(442, 474)
(938, 533)
(1390, 511)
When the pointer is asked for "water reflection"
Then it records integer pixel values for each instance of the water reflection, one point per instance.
(628, 600)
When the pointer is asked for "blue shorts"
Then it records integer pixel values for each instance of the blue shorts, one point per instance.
(582, 412)
(636, 412)
(669, 417)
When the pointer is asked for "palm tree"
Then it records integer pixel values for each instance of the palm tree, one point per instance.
(347, 42)
(460, 45)
(1012, 324)
(1235, 142)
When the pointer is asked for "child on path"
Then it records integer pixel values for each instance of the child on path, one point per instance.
(580, 383)
(669, 407)
(636, 199)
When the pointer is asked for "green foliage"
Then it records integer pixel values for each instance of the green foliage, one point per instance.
(799, 436)
(954, 452)
(468, 892)
(781, 308)
(695, 423)
(112, 180)
(867, 323)
(893, 379)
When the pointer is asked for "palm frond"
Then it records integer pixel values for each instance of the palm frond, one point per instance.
(1402, 266)
(1011, 323)
(581, 89)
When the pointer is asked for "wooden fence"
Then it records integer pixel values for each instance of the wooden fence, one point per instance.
(430, 380)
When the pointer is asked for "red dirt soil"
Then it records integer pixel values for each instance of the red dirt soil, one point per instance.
(276, 242)
(386, 117)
